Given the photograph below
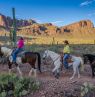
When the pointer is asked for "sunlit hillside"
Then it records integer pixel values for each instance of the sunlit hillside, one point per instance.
(81, 32)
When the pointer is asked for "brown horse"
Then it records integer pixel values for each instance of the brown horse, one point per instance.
(90, 58)
(31, 58)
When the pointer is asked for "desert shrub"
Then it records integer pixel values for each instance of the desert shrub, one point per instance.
(87, 90)
(11, 85)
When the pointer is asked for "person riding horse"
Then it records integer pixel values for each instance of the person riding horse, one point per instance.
(66, 52)
(32, 58)
(20, 45)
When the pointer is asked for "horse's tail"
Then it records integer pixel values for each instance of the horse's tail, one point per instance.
(81, 64)
(39, 61)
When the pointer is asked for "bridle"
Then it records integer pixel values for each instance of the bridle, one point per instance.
(51, 58)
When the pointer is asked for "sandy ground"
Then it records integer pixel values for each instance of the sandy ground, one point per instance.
(52, 87)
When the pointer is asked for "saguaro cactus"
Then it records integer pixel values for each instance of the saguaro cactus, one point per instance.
(14, 26)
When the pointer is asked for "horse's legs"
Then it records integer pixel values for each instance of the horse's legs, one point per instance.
(55, 68)
(78, 72)
(33, 70)
(74, 70)
(56, 74)
(18, 69)
(73, 75)
(30, 72)
(35, 73)
(10, 67)
(92, 71)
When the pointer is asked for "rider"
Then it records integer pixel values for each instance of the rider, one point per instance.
(66, 52)
(20, 45)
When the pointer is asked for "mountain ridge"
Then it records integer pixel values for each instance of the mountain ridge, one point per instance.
(83, 28)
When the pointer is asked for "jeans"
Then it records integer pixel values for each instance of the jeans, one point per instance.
(14, 54)
(66, 56)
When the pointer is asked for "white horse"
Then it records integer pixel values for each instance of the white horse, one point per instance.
(6, 52)
(56, 58)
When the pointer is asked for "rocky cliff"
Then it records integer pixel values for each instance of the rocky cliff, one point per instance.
(3, 21)
(80, 28)
(7, 22)
(78, 25)
(84, 28)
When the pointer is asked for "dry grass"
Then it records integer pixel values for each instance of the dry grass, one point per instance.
(58, 40)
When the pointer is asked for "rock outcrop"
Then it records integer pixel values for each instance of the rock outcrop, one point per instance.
(31, 27)
(78, 25)
(3, 21)
(80, 28)
(7, 22)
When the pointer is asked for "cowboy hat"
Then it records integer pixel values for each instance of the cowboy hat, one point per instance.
(66, 41)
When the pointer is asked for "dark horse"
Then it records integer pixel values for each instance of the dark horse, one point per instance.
(91, 59)
(31, 58)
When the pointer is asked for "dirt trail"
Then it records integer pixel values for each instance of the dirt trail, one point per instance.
(52, 87)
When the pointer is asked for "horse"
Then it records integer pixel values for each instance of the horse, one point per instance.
(31, 58)
(89, 58)
(56, 58)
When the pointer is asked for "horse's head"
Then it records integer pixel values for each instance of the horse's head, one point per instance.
(46, 54)
(86, 58)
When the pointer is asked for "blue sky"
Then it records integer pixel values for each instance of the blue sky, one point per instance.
(58, 12)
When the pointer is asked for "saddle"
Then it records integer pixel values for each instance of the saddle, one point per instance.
(69, 60)
(20, 54)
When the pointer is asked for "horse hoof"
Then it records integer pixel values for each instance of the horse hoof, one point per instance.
(53, 73)
(71, 78)
(57, 77)
(40, 71)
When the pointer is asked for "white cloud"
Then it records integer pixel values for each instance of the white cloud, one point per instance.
(57, 22)
(39, 21)
(87, 3)
(53, 22)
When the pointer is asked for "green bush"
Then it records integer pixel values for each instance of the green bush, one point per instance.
(13, 85)
(87, 88)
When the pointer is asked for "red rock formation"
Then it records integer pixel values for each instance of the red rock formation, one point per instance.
(78, 25)
(3, 21)
(27, 27)
(7, 22)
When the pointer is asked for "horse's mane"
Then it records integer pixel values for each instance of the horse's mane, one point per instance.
(53, 52)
